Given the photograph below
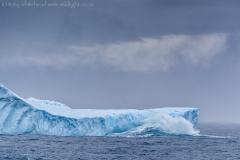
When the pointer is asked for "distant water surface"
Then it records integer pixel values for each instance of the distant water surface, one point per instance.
(218, 141)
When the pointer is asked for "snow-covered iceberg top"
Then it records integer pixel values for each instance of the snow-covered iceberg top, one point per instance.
(33, 116)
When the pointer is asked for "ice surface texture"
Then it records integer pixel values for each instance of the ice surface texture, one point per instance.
(33, 116)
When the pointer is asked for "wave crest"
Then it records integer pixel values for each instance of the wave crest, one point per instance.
(161, 124)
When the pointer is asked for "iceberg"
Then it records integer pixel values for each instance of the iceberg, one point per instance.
(33, 116)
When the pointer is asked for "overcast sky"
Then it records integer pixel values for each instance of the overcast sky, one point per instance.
(139, 54)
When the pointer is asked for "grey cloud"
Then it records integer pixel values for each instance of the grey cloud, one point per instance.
(151, 54)
(145, 55)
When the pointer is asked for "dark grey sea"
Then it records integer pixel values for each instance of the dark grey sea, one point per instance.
(217, 141)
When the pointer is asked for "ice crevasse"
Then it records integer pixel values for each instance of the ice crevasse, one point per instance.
(33, 116)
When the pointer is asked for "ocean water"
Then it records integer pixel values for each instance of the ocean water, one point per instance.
(216, 141)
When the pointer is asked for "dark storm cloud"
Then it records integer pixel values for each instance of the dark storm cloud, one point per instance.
(119, 21)
(51, 32)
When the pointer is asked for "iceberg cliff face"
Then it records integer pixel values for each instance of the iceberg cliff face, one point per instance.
(33, 116)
